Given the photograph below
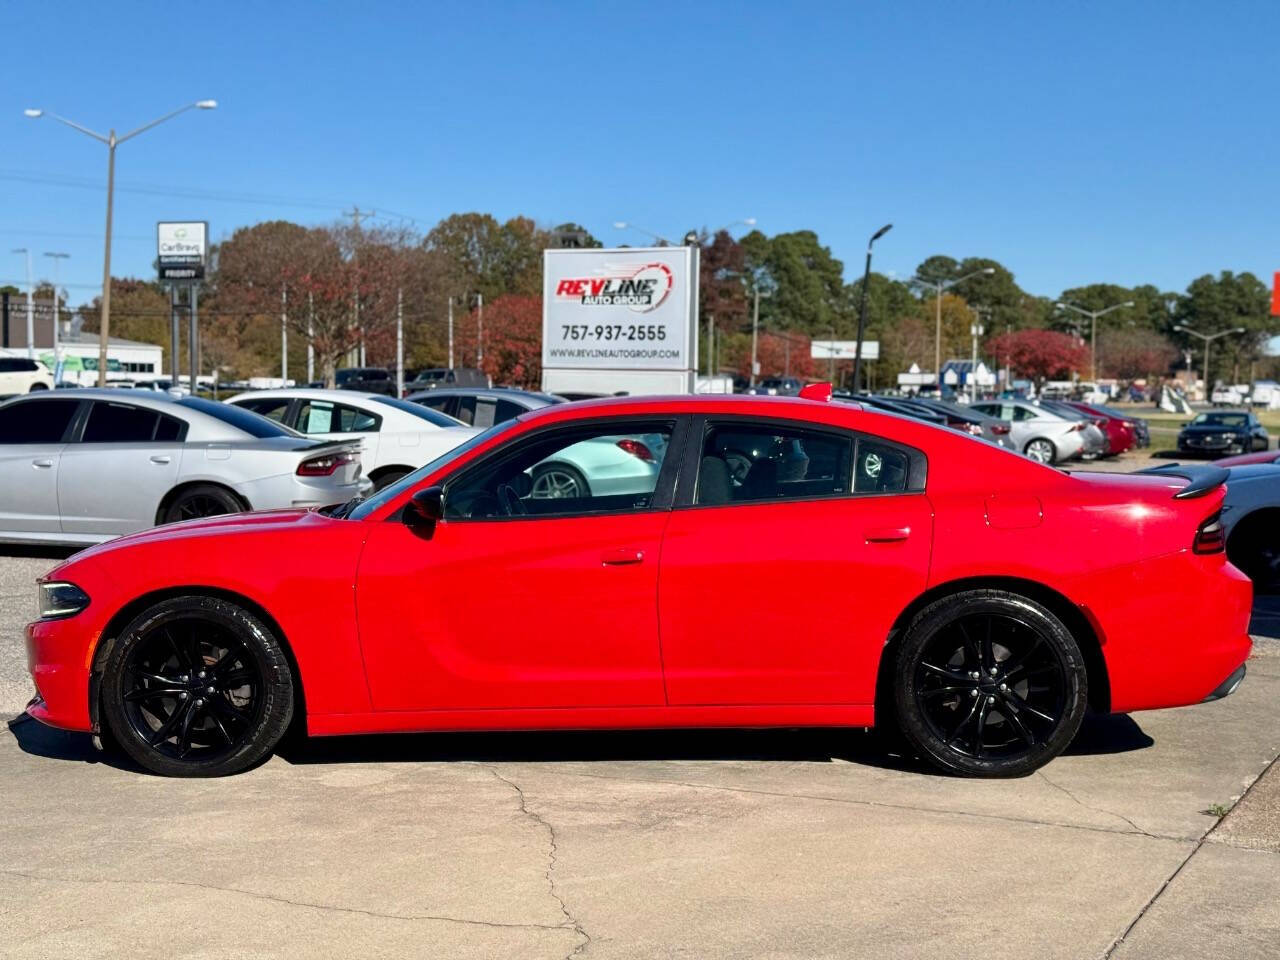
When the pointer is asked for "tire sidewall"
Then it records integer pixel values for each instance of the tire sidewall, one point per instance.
(273, 718)
(172, 515)
(584, 490)
(1041, 442)
(926, 624)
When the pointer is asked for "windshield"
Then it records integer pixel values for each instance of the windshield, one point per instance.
(386, 494)
(421, 412)
(238, 417)
(1221, 420)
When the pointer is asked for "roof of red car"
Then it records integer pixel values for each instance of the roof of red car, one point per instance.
(699, 403)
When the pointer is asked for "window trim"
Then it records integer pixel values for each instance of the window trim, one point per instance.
(691, 463)
(69, 433)
(80, 423)
(663, 491)
(300, 403)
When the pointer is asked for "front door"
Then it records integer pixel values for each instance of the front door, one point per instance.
(539, 588)
(786, 562)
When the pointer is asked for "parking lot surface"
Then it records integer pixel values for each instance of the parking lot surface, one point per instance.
(709, 844)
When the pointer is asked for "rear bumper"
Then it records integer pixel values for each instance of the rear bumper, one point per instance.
(1228, 686)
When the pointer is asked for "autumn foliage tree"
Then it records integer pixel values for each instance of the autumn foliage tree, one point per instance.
(1131, 354)
(1040, 354)
(512, 341)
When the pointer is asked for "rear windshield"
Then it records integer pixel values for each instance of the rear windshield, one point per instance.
(238, 417)
(421, 412)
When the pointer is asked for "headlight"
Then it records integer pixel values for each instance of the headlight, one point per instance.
(57, 599)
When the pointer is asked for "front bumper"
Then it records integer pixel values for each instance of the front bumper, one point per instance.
(58, 657)
(1215, 444)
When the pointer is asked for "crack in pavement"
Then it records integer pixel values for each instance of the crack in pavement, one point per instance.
(571, 922)
(854, 801)
(1109, 813)
(326, 907)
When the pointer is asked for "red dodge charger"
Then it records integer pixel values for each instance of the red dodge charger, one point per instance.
(662, 562)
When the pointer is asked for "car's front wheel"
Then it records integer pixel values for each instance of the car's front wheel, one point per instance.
(989, 684)
(196, 686)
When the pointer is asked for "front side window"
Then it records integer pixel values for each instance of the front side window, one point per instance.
(36, 421)
(604, 468)
(744, 463)
(273, 408)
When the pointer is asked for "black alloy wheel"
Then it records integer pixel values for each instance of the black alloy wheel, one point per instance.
(197, 686)
(200, 501)
(989, 684)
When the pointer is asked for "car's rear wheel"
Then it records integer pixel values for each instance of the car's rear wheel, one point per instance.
(38, 386)
(197, 687)
(989, 684)
(388, 477)
(201, 500)
(555, 481)
(1254, 548)
(1041, 450)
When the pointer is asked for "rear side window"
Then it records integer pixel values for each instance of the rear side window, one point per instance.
(36, 421)
(435, 403)
(273, 408)
(743, 463)
(119, 423)
(321, 416)
(244, 420)
(16, 365)
(882, 468)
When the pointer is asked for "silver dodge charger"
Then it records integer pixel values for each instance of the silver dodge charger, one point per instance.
(83, 466)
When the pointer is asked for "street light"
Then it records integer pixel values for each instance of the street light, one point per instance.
(940, 286)
(862, 306)
(1094, 316)
(623, 225)
(690, 238)
(1208, 338)
(112, 141)
(57, 340)
(31, 345)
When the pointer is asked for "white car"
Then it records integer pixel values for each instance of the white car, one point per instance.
(20, 375)
(396, 436)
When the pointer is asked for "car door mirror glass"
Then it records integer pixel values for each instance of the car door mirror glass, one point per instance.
(424, 510)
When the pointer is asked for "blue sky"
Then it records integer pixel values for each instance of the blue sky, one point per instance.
(1073, 142)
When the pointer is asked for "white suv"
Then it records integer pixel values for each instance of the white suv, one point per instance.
(20, 375)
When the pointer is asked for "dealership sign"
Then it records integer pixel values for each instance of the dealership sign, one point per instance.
(629, 310)
(181, 249)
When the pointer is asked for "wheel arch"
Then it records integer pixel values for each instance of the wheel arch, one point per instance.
(380, 472)
(1058, 604)
(1243, 528)
(121, 617)
(174, 493)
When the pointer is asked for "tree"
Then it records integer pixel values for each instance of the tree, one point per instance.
(780, 354)
(1214, 304)
(806, 280)
(1129, 353)
(512, 341)
(572, 236)
(1002, 301)
(139, 311)
(721, 288)
(1040, 354)
(1151, 310)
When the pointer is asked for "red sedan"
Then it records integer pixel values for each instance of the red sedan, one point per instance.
(719, 561)
(1121, 435)
(1244, 459)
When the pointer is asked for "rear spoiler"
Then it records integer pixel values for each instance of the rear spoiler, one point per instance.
(353, 444)
(1201, 478)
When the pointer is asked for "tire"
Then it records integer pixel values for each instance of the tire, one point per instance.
(388, 478)
(555, 481)
(201, 500)
(35, 387)
(197, 687)
(1041, 450)
(959, 704)
(1254, 548)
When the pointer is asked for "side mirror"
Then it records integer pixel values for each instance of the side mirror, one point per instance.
(424, 510)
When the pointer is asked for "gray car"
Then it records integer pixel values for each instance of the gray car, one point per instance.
(96, 464)
(483, 406)
(1251, 523)
(1043, 435)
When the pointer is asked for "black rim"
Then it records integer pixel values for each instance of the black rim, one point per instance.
(990, 686)
(200, 505)
(192, 690)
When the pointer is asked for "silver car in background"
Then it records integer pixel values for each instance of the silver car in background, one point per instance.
(1041, 434)
(84, 466)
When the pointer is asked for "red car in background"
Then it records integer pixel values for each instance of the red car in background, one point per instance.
(1244, 459)
(777, 562)
(1121, 434)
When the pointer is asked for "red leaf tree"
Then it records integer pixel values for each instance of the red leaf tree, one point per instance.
(1039, 354)
(512, 341)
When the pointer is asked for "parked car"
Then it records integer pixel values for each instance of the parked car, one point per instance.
(892, 405)
(1120, 432)
(943, 584)
(483, 408)
(968, 420)
(1042, 434)
(22, 375)
(1223, 432)
(1095, 437)
(433, 377)
(366, 379)
(1251, 522)
(83, 467)
(396, 436)
(776, 387)
(1244, 459)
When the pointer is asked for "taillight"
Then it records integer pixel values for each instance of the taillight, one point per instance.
(636, 449)
(1000, 429)
(1210, 538)
(326, 465)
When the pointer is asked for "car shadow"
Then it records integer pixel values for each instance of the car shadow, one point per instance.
(1098, 735)
(38, 551)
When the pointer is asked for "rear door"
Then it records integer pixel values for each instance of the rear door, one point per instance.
(118, 469)
(790, 552)
(33, 435)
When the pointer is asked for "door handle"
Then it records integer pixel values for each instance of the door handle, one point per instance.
(161, 458)
(43, 464)
(621, 556)
(887, 534)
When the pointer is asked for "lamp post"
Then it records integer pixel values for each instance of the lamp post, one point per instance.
(1094, 316)
(1208, 339)
(941, 286)
(112, 141)
(862, 306)
(690, 238)
(624, 225)
(31, 344)
(975, 331)
(57, 338)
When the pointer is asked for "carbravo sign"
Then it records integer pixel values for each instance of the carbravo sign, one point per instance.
(620, 320)
(180, 250)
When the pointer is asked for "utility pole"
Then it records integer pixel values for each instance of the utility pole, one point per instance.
(831, 360)
(1208, 339)
(755, 334)
(57, 338)
(711, 343)
(174, 335)
(940, 286)
(311, 332)
(357, 217)
(193, 331)
(480, 330)
(450, 331)
(284, 335)
(31, 335)
(975, 331)
(399, 342)
(1094, 316)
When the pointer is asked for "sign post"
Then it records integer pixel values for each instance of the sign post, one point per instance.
(620, 320)
(181, 250)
